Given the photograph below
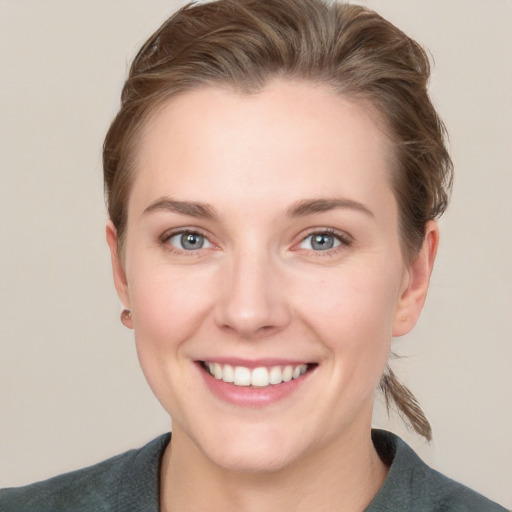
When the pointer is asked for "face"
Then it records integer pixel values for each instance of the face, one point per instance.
(263, 270)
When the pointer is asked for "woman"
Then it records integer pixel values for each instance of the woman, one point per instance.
(273, 179)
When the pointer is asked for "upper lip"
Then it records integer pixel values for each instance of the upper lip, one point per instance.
(255, 363)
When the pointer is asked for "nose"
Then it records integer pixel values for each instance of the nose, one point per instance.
(252, 301)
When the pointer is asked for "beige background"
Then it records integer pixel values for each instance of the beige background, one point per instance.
(71, 392)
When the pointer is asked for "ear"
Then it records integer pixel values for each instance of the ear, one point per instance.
(416, 281)
(118, 268)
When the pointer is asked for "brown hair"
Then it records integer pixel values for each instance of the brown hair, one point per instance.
(243, 44)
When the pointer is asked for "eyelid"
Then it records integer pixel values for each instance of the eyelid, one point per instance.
(170, 233)
(343, 237)
(180, 231)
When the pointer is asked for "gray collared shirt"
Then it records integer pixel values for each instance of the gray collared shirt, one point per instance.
(129, 483)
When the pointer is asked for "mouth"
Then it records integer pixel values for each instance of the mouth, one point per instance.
(258, 377)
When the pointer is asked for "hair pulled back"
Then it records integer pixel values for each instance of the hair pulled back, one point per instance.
(242, 44)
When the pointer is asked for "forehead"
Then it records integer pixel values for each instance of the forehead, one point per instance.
(280, 142)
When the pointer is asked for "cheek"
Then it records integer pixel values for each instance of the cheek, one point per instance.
(168, 302)
(168, 310)
(353, 315)
(168, 306)
(354, 299)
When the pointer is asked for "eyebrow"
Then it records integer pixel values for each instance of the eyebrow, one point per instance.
(301, 208)
(192, 209)
(311, 206)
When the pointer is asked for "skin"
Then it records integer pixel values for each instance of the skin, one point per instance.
(259, 289)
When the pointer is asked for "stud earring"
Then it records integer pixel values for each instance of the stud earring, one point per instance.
(126, 318)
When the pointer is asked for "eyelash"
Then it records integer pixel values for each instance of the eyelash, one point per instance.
(167, 236)
(343, 239)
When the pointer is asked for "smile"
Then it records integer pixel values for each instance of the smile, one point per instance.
(259, 377)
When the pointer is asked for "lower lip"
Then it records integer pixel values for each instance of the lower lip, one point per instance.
(248, 396)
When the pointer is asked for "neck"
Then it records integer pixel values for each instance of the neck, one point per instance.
(344, 475)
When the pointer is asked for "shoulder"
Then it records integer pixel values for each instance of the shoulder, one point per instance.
(120, 483)
(412, 485)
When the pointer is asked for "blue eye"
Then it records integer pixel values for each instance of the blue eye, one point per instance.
(320, 242)
(189, 241)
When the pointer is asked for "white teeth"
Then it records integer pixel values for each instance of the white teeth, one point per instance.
(242, 376)
(287, 373)
(276, 375)
(257, 377)
(217, 371)
(228, 374)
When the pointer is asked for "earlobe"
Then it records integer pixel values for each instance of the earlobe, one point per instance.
(118, 271)
(416, 284)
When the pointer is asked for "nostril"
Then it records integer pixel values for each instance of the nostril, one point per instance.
(251, 299)
(247, 330)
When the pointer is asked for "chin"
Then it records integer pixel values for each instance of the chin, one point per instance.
(253, 460)
(256, 450)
